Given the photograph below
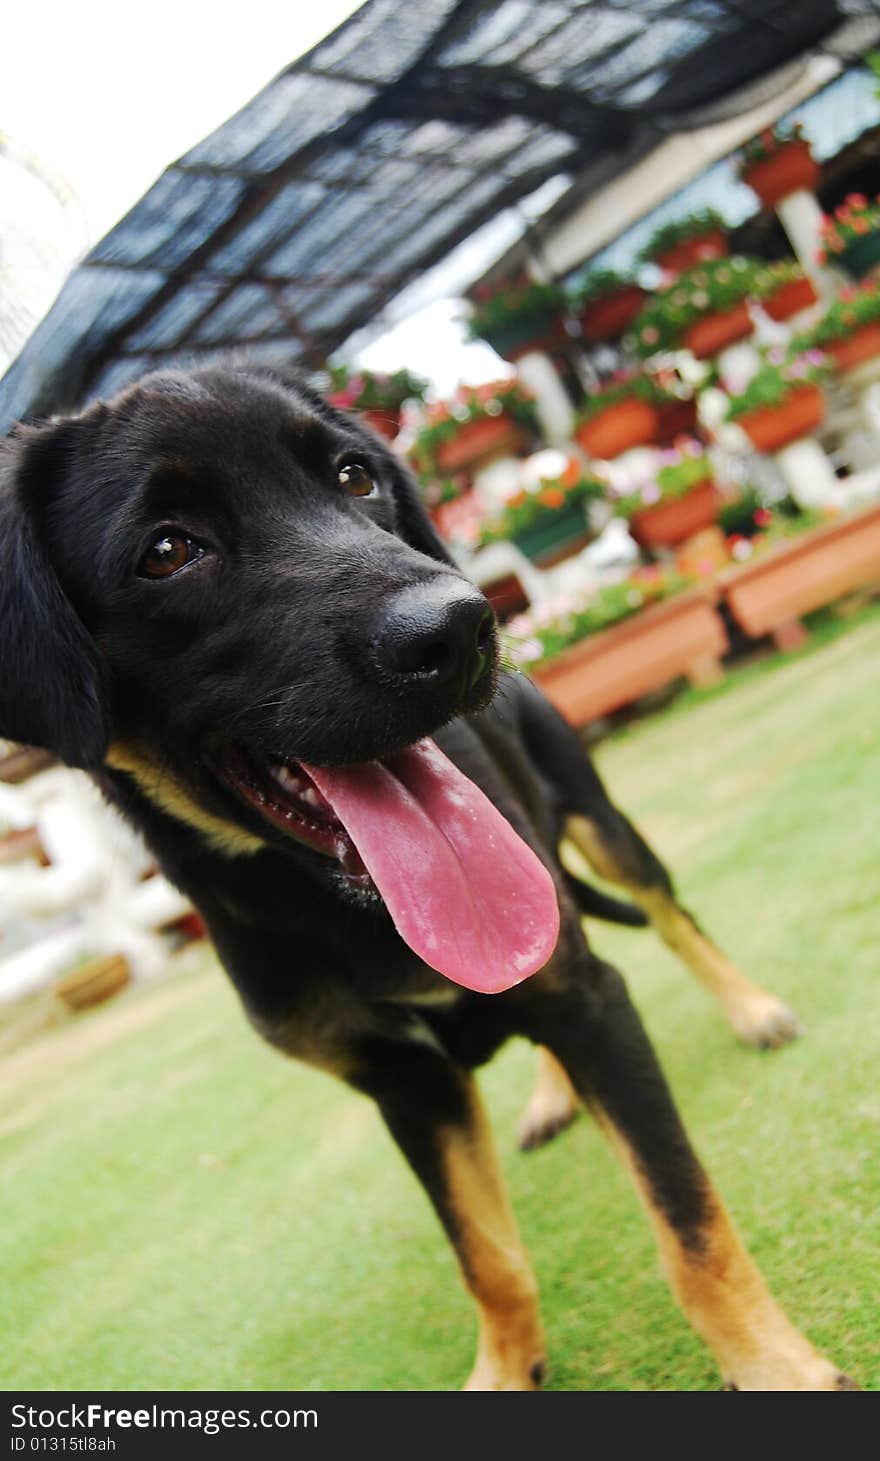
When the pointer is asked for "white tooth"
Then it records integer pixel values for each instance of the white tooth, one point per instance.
(287, 778)
(311, 796)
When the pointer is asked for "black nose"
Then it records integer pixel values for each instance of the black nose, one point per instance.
(442, 632)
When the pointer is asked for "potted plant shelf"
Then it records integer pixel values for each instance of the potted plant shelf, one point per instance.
(770, 594)
(782, 402)
(681, 636)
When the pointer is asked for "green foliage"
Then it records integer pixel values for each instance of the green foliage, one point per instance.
(711, 287)
(598, 284)
(529, 510)
(776, 380)
(692, 225)
(636, 387)
(543, 633)
(368, 390)
(853, 308)
(512, 305)
(445, 419)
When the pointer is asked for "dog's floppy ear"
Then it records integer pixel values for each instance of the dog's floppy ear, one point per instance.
(415, 524)
(53, 690)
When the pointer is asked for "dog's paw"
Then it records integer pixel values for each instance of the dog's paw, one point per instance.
(488, 1376)
(766, 1023)
(818, 1375)
(540, 1123)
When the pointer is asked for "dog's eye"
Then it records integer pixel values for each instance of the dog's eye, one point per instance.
(356, 479)
(168, 554)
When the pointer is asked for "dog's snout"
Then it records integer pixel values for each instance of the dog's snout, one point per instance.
(442, 632)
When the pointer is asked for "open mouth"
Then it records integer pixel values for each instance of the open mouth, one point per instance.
(286, 796)
(464, 891)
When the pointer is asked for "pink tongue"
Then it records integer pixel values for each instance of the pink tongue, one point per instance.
(464, 891)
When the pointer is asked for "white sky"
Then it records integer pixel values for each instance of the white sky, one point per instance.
(108, 94)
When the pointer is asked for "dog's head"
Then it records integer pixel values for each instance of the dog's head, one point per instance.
(216, 560)
(223, 588)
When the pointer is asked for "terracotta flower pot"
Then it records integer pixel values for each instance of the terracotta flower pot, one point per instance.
(475, 441)
(790, 298)
(769, 595)
(690, 251)
(386, 422)
(681, 636)
(789, 170)
(669, 523)
(770, 428)
(863, 344)
(609, 317)
(676, 418)
(862, 255)
(715, 332)
(618, 428)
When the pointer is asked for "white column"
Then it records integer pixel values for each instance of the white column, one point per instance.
(808, 473)
(801, 217)
(737, 364)
(555, 411)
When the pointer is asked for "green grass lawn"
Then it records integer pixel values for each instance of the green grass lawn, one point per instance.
(182, 1209)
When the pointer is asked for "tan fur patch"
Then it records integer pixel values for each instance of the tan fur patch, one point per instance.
(757, 1016)
(167, 791)
(725, 1297)
(495, 1264)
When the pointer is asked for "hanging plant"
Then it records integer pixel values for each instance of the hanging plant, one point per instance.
(778, 162)
(683, 242)
(477, 421)
(671, 320)
(516, 317)
(378, 397)
(606, 303)
(849, 330)
(622, 415)
(541, 519)
(851, 236)
(785, 290)
(783, 401)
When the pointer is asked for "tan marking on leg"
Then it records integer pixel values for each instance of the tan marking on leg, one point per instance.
(757, 1017)
(496, 1268)
(167, 791)
(725, 1297)
(553, 1105)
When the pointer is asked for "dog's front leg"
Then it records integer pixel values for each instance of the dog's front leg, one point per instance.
(433, 1110)
(596, 1033)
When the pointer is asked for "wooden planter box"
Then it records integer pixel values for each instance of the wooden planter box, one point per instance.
(682, 636)
(770, 595)
(477, 441)
(856, 348)
(94, 981)
(787, 171)
(609, 317)
(690, 251)
(770, 428)
(618, 428)
(716, 331)
(669, 523)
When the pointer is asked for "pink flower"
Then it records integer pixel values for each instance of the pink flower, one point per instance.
(651, 494)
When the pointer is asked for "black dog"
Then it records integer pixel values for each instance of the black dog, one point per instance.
(224, 599)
